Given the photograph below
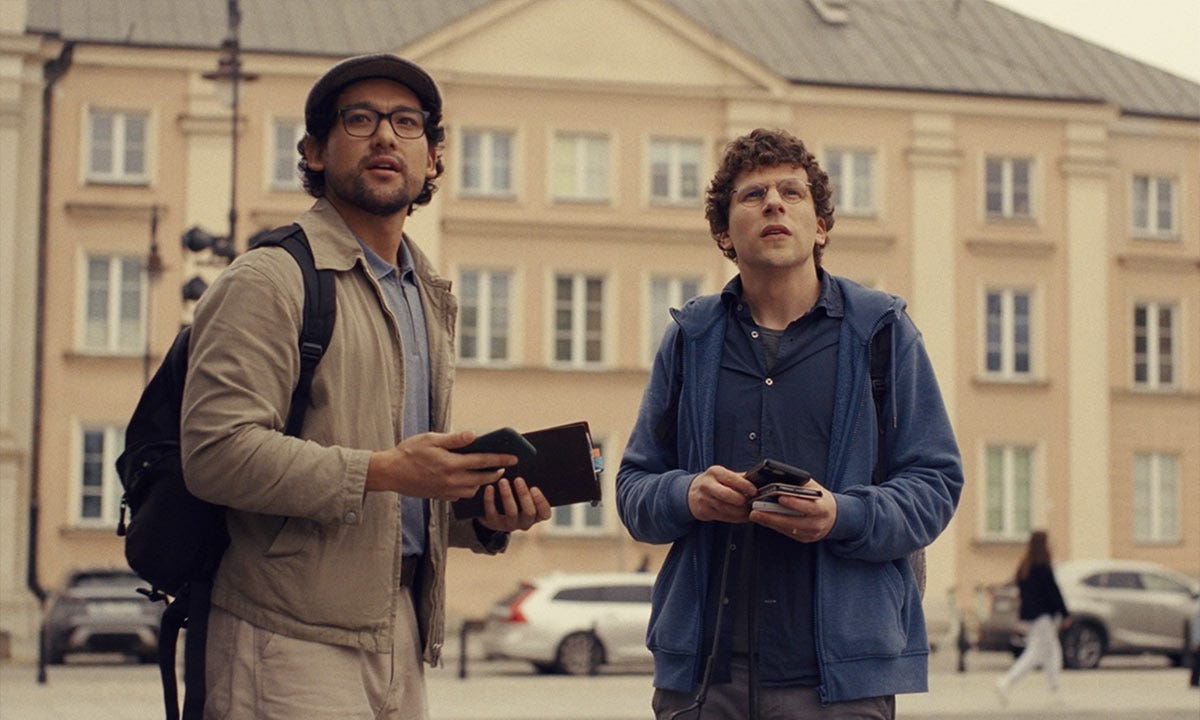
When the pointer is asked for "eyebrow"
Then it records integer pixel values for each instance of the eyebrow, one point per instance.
(368, 106)
(764, 183)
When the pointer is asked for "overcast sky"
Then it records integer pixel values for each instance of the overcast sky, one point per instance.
(1162, 33)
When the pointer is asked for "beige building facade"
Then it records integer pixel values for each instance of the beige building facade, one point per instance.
(1049, 251)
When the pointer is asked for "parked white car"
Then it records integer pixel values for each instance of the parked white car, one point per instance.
(572, 623)
(1118, 607)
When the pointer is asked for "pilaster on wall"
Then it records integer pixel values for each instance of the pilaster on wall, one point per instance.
(21, 82)
(934, 160)
(1086, 171)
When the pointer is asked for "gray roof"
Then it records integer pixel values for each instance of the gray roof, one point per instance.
(946, 46)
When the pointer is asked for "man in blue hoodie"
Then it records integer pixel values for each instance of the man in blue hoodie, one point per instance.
(760, 614)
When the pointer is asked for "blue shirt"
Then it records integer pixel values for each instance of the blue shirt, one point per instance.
(775, 398)
(403, 299)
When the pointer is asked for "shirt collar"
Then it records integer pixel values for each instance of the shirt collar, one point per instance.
(829, 299)
(381, 268)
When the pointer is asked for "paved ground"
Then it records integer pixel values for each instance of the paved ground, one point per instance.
(1121, 689)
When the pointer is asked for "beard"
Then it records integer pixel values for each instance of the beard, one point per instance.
(355, 192)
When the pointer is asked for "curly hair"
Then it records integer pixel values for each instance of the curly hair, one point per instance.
(314, 180)
(763, 149)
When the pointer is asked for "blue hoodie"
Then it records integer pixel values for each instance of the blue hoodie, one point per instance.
(871, 637)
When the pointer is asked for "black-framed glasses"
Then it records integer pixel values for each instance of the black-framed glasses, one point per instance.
(791, 190)
(362, 122)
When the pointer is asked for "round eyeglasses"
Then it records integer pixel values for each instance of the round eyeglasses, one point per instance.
(791, 190)
(362, 122)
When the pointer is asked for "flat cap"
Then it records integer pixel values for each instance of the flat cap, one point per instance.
(318, 108)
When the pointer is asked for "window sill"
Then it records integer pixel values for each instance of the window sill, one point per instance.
(1029, 381)
(507, 197)
(119, 181)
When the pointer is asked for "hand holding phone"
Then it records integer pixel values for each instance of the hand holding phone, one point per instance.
(505, 440)
(775, 479)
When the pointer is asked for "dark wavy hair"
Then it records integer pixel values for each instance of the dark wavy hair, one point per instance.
(314, 180)
(763, 149)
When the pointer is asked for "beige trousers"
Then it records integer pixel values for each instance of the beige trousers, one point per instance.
(253, 674)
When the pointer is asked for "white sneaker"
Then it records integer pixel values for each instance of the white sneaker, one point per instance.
(1001, 693)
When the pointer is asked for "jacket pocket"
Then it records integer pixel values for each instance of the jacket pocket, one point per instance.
(291, 537)
(863, 612)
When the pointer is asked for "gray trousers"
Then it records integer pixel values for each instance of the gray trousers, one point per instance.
(730, 701)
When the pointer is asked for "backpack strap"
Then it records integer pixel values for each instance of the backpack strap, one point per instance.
(320, 309)
(881, 348)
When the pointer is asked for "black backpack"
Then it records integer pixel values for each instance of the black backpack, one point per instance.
(174, 540)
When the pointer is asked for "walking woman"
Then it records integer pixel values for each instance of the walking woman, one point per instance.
(1042, 603)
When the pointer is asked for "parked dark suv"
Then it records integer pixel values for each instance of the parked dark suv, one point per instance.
(100, 611)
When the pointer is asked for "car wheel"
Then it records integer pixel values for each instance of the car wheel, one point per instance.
(543, 668)
(579, 654)
(1083, 646)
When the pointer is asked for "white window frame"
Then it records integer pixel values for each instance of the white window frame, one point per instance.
(120, 148)
(855, 189)
(485, 330)
(109, 489)
(582, 519)
(664, 292)
(1008, 188)
(115, 304)
(1014, 521)
(1150, 224)
(578, 334)
(279, 154)
(1156, 499)
(1151, 359)
(487, 163)
(674, 156)
(583, 162)
(1007, 346)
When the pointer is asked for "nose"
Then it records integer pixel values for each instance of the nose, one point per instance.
(773, 200)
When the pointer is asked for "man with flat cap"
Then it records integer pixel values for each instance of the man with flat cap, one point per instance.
(332, 590)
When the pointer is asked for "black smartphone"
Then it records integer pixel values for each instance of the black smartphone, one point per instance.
(773, 471)
(505, 440)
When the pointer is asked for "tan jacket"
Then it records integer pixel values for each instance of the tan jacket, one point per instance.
(311, 555)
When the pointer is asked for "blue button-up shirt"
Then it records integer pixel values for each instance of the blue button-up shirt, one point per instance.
(401, 294)
(775, 397)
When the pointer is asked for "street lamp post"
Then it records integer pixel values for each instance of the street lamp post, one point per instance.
(229, 69)
(154, 269)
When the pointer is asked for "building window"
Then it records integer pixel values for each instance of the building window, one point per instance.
(578, 319)
(1009, 491)
(852, 175)
(675, 171)
(1007, 352)
(1153, 206)
(99, 488)
(1155, 498)
(581, 518)
(487, 159)
(1009, 186)
(580, 167)
(114, 305)
(117, 147)
(665, 293)
(483, 316)
(285, 171)
(1153, 345)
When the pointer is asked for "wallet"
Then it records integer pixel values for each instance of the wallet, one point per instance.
(564, 467)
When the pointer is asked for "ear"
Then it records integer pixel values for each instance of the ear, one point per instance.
(724, 242)
(431, 163)
(822, 235)
(312, 154)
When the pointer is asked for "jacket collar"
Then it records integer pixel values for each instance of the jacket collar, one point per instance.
(335, 247)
